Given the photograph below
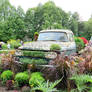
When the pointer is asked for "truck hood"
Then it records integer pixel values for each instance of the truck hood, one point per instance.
(45, 45)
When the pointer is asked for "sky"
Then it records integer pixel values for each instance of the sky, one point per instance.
(83, 7)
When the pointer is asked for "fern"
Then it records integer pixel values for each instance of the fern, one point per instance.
(80, 81)
(46, 86)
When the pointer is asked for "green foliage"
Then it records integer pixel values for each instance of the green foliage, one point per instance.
(4, 46)
(14, 43)
(4, 51)
(88, 29)
(15, 24)
(73, 22)
(6, 75)
(79, 43)
(55, 47)
(47, 16)
(5, 9)
(36, 76)
(34, 53)
(1, 70)
(80, 81)
(46, 86)
(33, 61)
(21, 78)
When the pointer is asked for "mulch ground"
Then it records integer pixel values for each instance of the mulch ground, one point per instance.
(3, 89)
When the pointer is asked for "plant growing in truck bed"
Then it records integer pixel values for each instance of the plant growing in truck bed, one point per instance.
(55, 47)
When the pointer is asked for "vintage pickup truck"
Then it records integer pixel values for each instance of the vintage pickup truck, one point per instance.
(64, 38)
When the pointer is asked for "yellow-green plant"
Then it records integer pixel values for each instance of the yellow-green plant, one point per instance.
(14, 43)
(22, 78)
(36, 76)
(55, 47)
(4, 46)
(6, 75)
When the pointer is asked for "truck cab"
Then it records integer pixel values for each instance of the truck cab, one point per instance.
(64, 38)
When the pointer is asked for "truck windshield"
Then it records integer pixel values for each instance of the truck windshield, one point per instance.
(91, 38)
(53, 36)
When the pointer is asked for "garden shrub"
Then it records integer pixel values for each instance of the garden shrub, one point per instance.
(36, 76)
(4, 46)
(55, 47)
(21, 78)
(6, 75)
(14, 43)
(79, 43)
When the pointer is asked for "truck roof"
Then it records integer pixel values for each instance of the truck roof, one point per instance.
(57, 30)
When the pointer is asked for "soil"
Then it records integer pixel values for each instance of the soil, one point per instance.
(3, 89)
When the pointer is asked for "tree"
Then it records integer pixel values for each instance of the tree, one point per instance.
(73, 22)
(30, 22)
(88, 28)
(20, 12)
(52, 16)
(81, 28)
(47, 16)
(5, 9)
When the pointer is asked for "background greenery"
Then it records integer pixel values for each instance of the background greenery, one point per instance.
(17, 24)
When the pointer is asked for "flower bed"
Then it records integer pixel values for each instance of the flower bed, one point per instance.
(71, 72)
